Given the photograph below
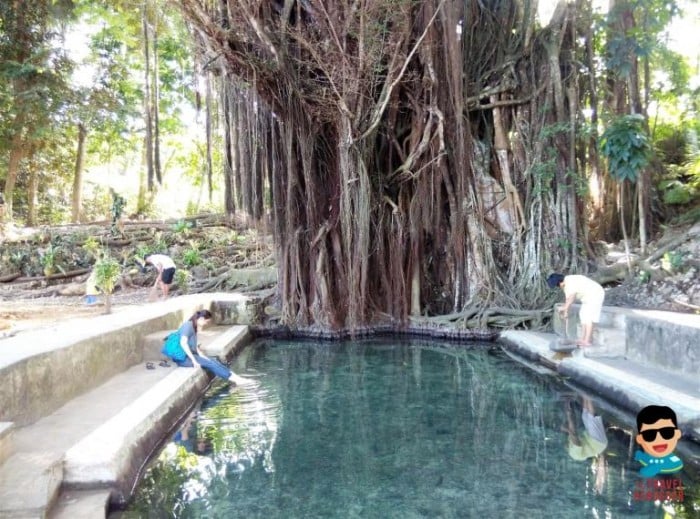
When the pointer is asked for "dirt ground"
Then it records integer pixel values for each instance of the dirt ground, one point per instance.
(33, 314)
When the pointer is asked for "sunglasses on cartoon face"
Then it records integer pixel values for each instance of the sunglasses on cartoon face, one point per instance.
(667, 433)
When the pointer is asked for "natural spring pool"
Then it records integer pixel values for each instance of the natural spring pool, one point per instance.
(393, 429)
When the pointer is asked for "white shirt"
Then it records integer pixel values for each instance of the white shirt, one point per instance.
(162, 261)
(584, 289)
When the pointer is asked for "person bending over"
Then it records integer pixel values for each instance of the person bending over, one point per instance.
(195, 357)
(166, 271)
(588, 292)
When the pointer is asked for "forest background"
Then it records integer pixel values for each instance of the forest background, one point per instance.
(432, 158)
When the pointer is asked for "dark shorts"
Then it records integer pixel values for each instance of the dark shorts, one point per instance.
(167, 275)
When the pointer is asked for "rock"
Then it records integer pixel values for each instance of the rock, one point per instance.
(199, 272)
(72, 289)
(253, 277)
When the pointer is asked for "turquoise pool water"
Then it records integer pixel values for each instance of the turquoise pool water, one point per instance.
(394, 429)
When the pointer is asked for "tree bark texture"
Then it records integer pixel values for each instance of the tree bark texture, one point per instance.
(419, 153)
(148, 101)
(77, 201)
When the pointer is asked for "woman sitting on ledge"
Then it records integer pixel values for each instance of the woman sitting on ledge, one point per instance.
(188, 342)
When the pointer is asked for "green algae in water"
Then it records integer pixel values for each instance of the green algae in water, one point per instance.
(385, 429)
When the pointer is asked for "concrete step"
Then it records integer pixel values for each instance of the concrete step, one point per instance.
(30, 479)
(153, 343)
(607, 342)
(229, 341)
(81, 504)
(628, 384)
(610, 318)
(643, 385)
(6, 446)
(111, 455)
(92, 374)
(29, 484)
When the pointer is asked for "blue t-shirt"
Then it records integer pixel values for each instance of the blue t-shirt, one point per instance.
(188, 443)
(652, 465)
(187, 330)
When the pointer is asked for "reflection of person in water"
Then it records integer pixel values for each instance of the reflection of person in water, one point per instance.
(591, 442)
(187, 436)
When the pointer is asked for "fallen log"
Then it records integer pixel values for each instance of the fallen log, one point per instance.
(10, 277)
(60, 275)
(687, 305)
(620, 272)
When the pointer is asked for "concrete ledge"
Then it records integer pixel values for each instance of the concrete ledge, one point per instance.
(6, 430)
(112, 455)
(533, 346)
(630, 390)
(88, 504)
(228, 343)
(629, 385)
(153, 343)
(34, 365)
(669, 344)
(666, 340)
(28, 481)
(237, 309)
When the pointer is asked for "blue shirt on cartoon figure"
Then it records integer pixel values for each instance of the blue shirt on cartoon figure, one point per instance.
(653, 465)
(658, 436)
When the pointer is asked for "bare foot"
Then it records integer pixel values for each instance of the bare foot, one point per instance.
(241, 381)
(583, 344)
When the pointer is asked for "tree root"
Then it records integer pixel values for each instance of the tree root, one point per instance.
(620, 272)
(496, 317)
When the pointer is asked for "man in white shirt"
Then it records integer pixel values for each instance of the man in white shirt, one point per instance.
(588, 292)
(166, 271)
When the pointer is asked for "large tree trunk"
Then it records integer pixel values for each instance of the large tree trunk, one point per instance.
(157, 170)
(386, 119)
(78, 174)
(16, 155)
(32, 197)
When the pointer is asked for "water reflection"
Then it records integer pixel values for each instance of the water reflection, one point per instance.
(230, 431)
(374, 429)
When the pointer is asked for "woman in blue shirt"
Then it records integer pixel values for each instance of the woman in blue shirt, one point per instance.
(195, 357)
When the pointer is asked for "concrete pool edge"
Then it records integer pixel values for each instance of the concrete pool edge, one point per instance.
(625, 383)
(66, 449)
